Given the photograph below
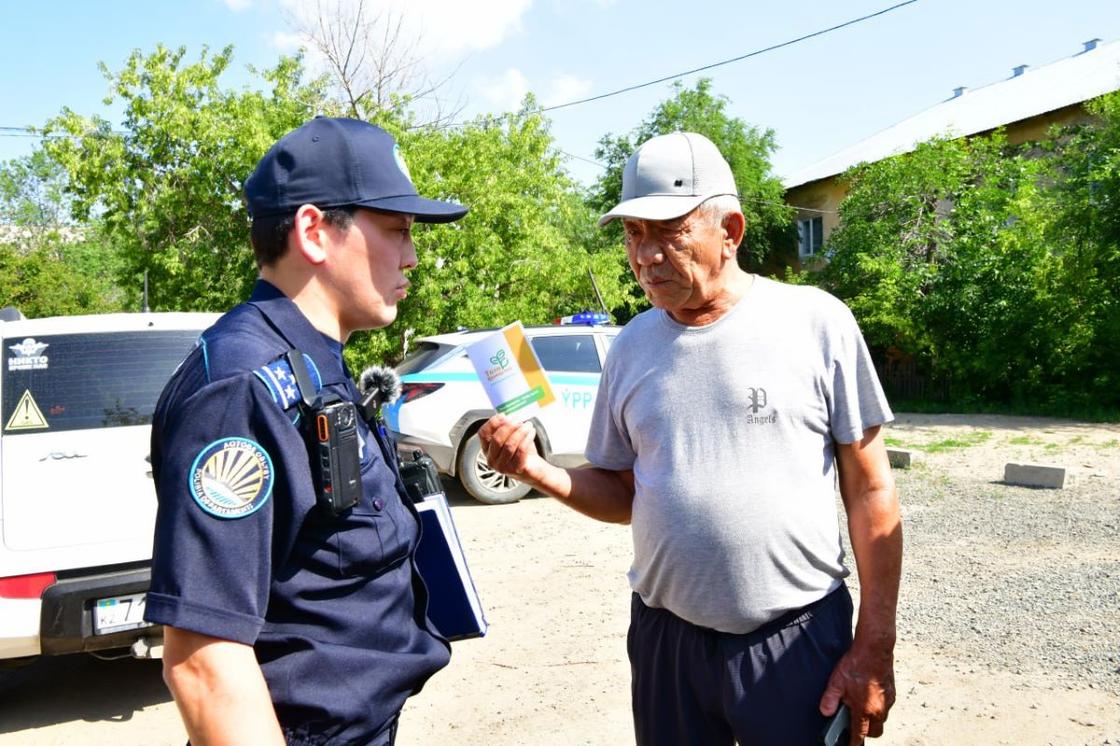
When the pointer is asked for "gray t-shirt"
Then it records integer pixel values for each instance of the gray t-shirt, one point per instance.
(729, 429)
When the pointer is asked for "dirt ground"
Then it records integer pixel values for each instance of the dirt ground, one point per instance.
(553, 668)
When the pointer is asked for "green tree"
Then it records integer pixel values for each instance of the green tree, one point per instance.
(167, 189)
(746, 148)
(1085, 279)
(33, 199)
(991, 265)
(48, 265)
(522, 251)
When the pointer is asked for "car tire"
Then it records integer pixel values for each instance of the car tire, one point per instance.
(481, 481)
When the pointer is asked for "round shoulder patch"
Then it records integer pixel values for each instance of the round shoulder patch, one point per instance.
(231, 478)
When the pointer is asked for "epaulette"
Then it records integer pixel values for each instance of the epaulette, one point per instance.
(281, 383)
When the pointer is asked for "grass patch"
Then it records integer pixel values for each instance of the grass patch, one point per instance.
(1114, 443)
(893, 442)
(964, 441)
(1023, 440)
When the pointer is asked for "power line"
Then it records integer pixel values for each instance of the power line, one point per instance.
(741, 57)
(17, 132)
(493, 118)
(592, 161)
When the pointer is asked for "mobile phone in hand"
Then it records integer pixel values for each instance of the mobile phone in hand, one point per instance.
(838, 730)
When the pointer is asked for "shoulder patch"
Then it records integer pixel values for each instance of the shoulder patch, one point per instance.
(231, 478)
(281, 383)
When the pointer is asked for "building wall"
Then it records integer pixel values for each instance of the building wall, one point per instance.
(821, 199)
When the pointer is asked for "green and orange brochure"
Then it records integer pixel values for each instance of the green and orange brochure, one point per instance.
(510, 372)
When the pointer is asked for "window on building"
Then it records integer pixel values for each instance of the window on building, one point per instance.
(810, 236)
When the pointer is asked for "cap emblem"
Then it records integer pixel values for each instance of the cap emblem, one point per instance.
(400, 161)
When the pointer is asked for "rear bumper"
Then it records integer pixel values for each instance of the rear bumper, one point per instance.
(19, 627)
(66, 614)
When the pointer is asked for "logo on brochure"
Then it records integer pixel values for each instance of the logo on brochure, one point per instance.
(500, 361)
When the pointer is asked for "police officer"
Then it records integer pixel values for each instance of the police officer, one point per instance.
(287, 620)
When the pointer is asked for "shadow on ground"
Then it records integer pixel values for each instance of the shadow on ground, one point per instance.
(61, 689)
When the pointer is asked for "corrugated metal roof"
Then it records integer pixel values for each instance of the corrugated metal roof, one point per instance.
(1035, 91)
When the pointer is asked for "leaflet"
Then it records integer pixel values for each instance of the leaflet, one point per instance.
(510, 372)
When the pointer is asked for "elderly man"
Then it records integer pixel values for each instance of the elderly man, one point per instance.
(725, 416)
(284, 568)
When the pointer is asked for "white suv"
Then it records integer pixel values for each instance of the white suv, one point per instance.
(77, 505)
(442, 403)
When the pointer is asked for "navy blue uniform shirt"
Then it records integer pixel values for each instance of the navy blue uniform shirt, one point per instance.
(332, 605)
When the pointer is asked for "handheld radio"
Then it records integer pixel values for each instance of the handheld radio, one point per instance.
(330, 429)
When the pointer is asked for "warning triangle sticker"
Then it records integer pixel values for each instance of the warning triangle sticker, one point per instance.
(27, 415)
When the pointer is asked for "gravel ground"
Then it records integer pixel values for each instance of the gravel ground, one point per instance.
(1008, 578)
(1005, 578)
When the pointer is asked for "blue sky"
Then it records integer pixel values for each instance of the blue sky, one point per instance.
(818, 96)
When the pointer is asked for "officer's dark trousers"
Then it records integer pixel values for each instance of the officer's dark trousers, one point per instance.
(693, 685)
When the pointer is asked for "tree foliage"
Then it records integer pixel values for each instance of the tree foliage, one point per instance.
(48, 265)
(996, 267)
(167, 189)
(522, 251)
(746, 148)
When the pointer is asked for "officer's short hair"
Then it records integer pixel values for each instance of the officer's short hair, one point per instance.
(269, 234)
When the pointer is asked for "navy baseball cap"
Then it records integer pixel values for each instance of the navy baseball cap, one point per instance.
(337, 163)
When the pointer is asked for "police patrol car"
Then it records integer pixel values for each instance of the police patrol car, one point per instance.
(442, 403)
(77, 505)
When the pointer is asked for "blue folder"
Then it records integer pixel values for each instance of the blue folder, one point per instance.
(453, 604)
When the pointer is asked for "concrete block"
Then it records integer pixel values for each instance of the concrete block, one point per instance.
(1035, 475)
(900, 458)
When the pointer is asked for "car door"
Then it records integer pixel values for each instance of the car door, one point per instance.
(572, 363)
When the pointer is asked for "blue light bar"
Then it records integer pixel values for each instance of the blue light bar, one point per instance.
(586, 318)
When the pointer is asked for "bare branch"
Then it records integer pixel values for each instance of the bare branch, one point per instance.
(374, 63)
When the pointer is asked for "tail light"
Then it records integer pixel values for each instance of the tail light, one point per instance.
(414, 391)
(26, 586)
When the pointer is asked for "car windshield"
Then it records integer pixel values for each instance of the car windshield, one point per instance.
(79, 381)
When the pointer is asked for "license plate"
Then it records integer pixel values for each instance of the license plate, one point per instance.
(118, 614)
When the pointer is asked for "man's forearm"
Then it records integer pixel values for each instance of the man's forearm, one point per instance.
(599, 493)
(875, 529)
(602, 494)
(219, 690)
(864, 676)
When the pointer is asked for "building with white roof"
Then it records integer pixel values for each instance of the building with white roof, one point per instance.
(1026, 104)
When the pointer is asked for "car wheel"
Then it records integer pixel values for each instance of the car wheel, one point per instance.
(482, 482)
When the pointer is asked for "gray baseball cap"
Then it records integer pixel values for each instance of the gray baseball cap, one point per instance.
(669, 175)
